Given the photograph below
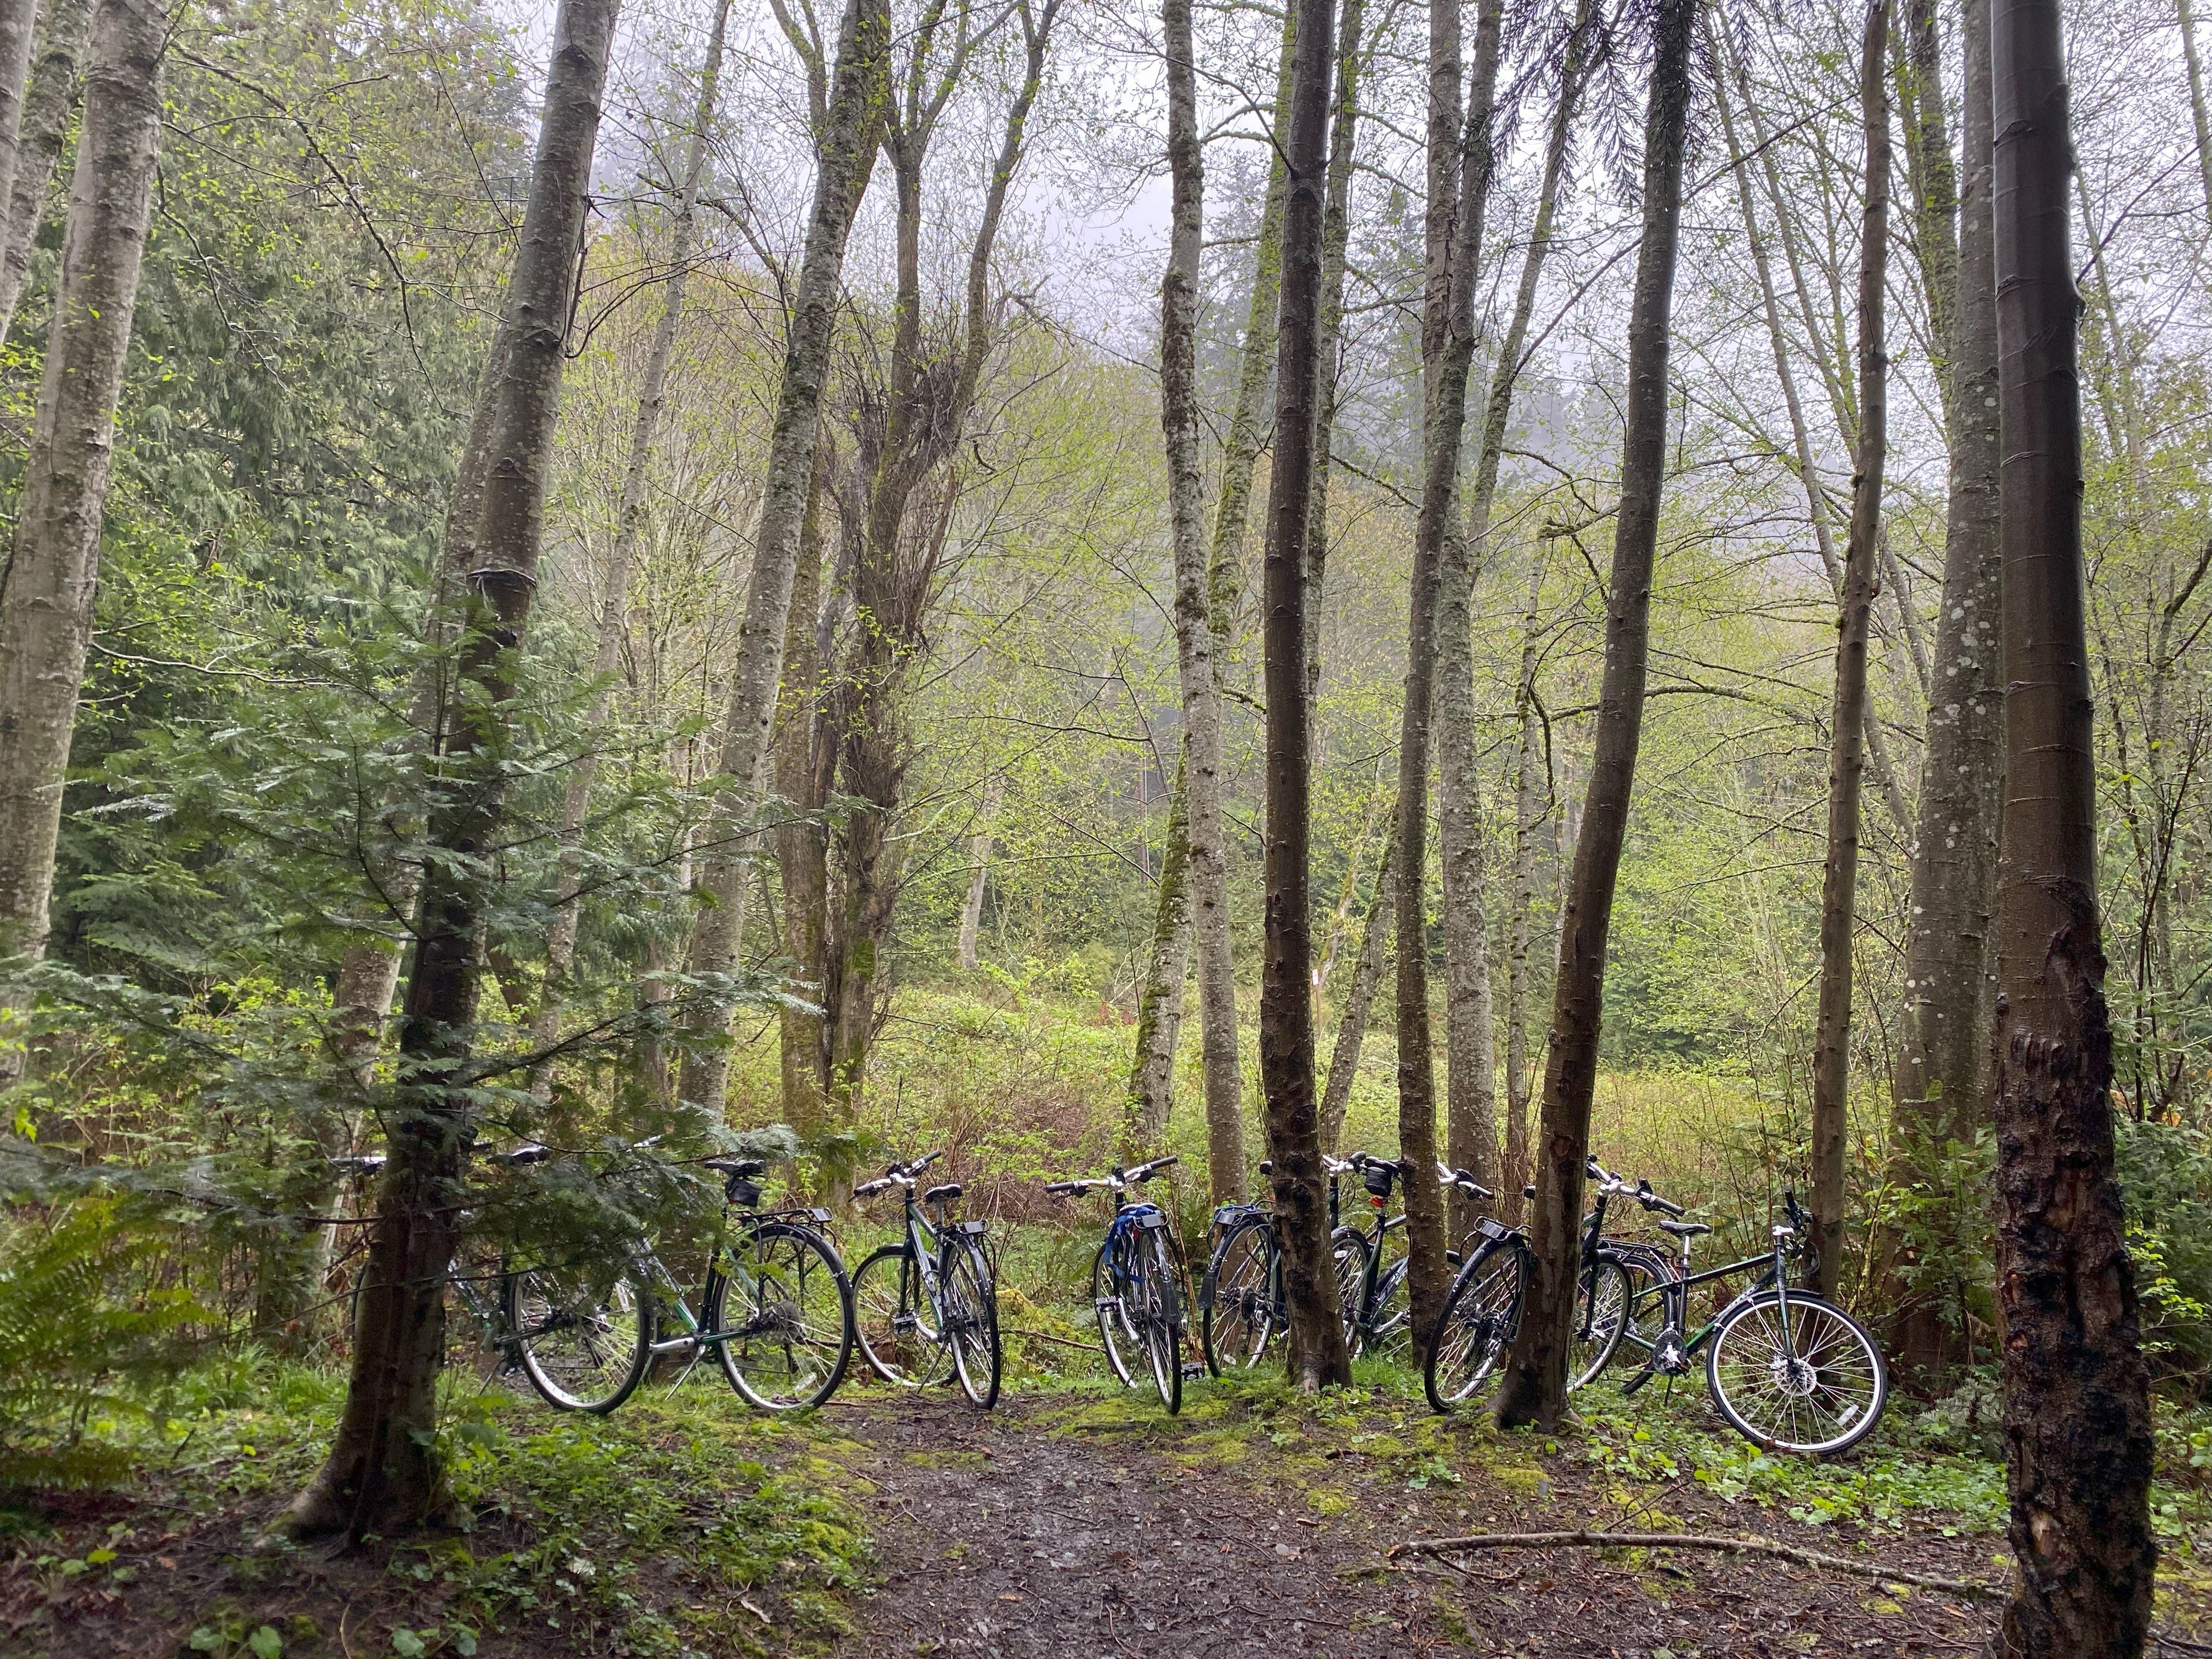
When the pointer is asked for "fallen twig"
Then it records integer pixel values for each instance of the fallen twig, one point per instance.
(1045, 1336)
(1690, 1541)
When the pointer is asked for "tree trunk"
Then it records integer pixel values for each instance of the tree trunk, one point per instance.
(979, 878)
(18, 25)
(1316, 1353)
(53, 571)
(1534, 1387)
(42, 129)
(1335, 239)
(803, 757)
(1460, 163)
(2077, 1407)
(1943, 1052)
(383, 1474)
(845, 155)
(1531, 806)
(629, 529)
(2198, 115)
(1159, 1008)
(1366, 979)
(1831, 1039)
(1201, 612)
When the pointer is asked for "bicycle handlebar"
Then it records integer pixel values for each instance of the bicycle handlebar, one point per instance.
(1069, 1188)
(1651, 1200)
(1462, 1180)
(1146, 1171)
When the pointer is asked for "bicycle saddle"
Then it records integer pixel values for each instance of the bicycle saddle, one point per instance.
(1683, 1229)
(944, 1194)
(736, 1166)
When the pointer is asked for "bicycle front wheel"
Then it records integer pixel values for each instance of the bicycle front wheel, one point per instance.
(585, 1344)
(780, 1317)
(1480, 1315)
(893, 1322)
(1348, 1254)
(1238, 1319)
(971, 1321)
(1600, 1316)
(1159, 1299)
(1118, 1329)
(1816, 1391)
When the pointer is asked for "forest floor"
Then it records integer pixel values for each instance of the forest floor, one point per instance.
(1076, 1519)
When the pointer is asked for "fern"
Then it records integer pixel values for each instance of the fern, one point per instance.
(69, 1340)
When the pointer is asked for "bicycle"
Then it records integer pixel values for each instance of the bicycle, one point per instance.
(1240, 1297)
(1136, 1280)
(1790, 1371)
(1482, 1310)
(931, 1299)
(1366, 1292)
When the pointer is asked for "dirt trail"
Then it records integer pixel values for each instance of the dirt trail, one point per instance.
(1049, 1529)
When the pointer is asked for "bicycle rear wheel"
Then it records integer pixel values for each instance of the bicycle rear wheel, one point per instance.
(1817, 1392)
(1118, 1329)
(1159, 1299)
(971, 1321)
(1481, 1313)
(893, 1322)
(782, 1309)
(1237, 1320)
(584, 1343)
(1600, 1316)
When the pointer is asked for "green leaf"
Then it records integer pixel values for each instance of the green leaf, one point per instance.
(265, 1643)
(407, 1644)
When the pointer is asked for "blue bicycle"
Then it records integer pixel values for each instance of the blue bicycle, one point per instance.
(1136, 1281)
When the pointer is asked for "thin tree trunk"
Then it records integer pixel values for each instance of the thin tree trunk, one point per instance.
(1316, 1353)
(1159, 1008)
(1831, 1039)
(1359, 1005)
(1461, 164)
(2076, 1388)
(1335, 239)
(1943, 1054)
(383, 1474)
(1529, 812)
(42, 129)
(2196, 103)
(846, 154)
(979, 877)
(18, 26)
(52, 570)
(629, 529)
(1201, 608)
(2077, 1405)
(1534, 1387)
(802, 759)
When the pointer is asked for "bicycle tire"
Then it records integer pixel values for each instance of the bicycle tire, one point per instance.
(1237, 1318)
(1830, 1369)
(971, 1321)
(1348, 1257)
(789, 1284)
(1601, 1308)
(1160, 1301)
(1480, 1315)
(584, 1345)
(1115, 1329)
(1393, 1312)
(893, 1323)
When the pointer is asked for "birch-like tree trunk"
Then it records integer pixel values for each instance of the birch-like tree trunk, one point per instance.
(52, 570)
(846, 140)
(803, 757)
(1159, 1007)
(1315, 1351)
(978, 876)
(630, 531)
(383, 1474)
(1532, 805)
(42, 129)
(1832, 1038)
(1461, 165)
(2199, 114)
(1359, 1004)
(2078, 1448)
(1534, 1386)
(1943, 1061)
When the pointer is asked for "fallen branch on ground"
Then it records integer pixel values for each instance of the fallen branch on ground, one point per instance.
(1690, 1541)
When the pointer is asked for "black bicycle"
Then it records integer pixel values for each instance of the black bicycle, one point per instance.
(1371, 1296)
(1482, 1310)
(1240, 1297)
(1136, 1280)
(928, 1306)
(1790, 1370)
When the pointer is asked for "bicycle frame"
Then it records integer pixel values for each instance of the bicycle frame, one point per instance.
(653, 1277)
(1673, 1295)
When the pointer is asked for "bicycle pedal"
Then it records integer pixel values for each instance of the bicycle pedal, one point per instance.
(1193, 1367)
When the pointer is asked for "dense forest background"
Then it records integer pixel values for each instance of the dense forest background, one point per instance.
(988, 777)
